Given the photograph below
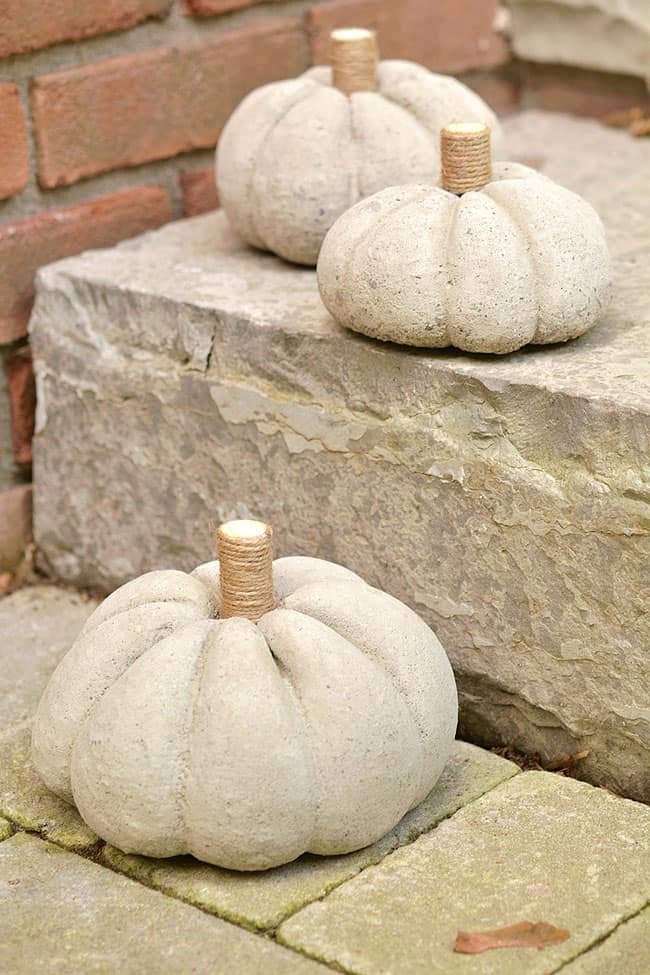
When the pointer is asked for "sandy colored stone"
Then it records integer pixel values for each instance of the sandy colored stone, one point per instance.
(504, 499)
(540, 847)
(262, 900)
(625, 950)
(26, 801)
(62, 914)
(604, 34)
(38, 625)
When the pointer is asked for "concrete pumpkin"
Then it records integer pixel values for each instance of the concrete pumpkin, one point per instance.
(488, 261)
(296, 154)
(311, 715)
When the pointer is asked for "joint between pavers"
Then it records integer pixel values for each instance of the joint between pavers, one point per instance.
(602, 940)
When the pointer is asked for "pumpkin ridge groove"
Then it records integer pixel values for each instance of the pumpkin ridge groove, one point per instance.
(393, 679)
(412, 113)
(530, 249)
(447, 251)
(267, 135)
(195, 682)
(285, 675)
(372, 230)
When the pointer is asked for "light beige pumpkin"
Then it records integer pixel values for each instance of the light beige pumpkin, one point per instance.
(518, 260)
(296, 154)
(247, 742)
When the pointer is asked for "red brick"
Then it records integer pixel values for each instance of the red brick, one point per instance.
(559, 88)
(26, 25)
(14, 152)
(199, 190)
(208, 8)
(15, 525)
(152, 105)
(444, 35)
(22, 404)
(46, 237)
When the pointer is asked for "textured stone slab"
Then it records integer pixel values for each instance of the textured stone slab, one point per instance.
(37, 625)
(540, 848)
(26, 801)
(262, 900)
(627, 950)
(63, 914)
(603, 34)
(186, 379)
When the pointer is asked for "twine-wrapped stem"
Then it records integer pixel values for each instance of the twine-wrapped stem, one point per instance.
(465, 156)
(245, 569)
(354, 59)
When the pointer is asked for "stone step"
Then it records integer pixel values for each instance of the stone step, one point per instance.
(184, 379)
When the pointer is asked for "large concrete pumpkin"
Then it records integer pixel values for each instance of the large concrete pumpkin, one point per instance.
(490, 260)
(296, 154)
(247, 715)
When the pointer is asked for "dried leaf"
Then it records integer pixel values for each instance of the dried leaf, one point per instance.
(6, 583)
(640, 127)
(567, 761)
(625, 118)
(525, 934)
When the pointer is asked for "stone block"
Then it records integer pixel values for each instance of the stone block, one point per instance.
(602, 34)
(538, 848)
(61, 914)
(262, 900)
(38, 625)
(186, 380)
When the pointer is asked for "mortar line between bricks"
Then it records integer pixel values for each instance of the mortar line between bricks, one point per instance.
(599, 941)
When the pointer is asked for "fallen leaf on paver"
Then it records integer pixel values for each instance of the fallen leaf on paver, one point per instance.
(636, 120)
(12, 883)
(525, 934)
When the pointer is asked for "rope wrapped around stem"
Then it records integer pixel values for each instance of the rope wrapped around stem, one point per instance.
(354, 58)
(245, 550)
(465, 156)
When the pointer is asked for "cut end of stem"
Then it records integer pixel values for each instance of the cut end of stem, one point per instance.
(245, 550)
(354, 58)
(465, 156)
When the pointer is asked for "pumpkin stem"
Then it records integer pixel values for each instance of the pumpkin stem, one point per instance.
(465, 156)
(246, 569)
(354, 59)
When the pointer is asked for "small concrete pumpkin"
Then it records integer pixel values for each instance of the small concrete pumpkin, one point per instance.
(487, 261)
(296, 154)
(247, 712)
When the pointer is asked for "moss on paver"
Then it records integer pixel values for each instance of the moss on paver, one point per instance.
(26, 801)
(262, 900)
(6, 830)
(540, 848)
(626, 950)
(63, 914)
